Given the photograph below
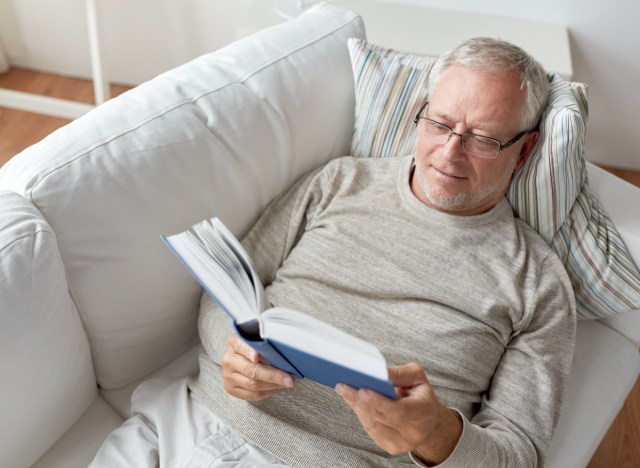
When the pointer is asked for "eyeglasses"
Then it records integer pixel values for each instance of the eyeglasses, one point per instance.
(474, 145)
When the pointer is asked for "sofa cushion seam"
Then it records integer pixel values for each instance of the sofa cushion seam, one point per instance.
(25, 236)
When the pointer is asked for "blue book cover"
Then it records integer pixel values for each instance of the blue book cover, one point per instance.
(331, 373)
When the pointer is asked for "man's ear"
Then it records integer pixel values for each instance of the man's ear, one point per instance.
(527, 147)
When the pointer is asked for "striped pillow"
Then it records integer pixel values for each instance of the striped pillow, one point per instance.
(390, 88)
(550, 192)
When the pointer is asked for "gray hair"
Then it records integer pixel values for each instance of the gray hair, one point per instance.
(498, 57)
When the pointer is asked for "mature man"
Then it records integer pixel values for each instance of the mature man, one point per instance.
(423, 257)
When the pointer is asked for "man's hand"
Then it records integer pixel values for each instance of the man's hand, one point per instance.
(417, 422)
(247, 375)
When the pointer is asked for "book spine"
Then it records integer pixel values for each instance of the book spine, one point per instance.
(271, 354)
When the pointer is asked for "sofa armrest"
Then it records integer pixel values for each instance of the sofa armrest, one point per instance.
(621, 201)
(45, 364)
(605, 368)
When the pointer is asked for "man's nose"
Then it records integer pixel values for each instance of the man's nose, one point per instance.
(453, 146)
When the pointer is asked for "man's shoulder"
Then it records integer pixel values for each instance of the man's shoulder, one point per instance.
(350, 164)
(537, 246)
(348, 175)
(357, 162)
(533, 240)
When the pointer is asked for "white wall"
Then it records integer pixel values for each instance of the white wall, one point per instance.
(142, 38)
(605, 42)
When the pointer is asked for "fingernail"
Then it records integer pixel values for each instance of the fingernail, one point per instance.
(341, 389)
(288, 382)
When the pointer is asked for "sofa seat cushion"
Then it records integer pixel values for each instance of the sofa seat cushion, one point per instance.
(45, 364)
(81, 442)
(120, 399)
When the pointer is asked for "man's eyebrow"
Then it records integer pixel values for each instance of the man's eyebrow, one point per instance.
(438, 115)
(446, 119)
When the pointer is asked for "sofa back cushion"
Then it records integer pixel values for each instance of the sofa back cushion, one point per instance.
(219, 136)
(45, 363)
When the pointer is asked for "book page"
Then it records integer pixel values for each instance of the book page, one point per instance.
(243, 256)
(216, 247)
(222, 266)
(211, 277)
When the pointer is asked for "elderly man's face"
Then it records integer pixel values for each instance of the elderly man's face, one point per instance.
(468, 101)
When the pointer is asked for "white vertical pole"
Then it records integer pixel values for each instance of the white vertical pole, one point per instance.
(4, 61)
(100, 83)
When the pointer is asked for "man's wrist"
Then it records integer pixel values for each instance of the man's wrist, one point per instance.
(417, 460)
(442, 443)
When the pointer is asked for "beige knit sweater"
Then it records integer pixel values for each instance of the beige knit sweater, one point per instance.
(481, 302)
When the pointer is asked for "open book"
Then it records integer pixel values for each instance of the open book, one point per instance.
(290, 340)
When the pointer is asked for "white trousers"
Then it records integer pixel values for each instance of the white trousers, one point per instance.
(171, 428)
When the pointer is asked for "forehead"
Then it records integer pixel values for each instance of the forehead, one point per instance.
(478, 99)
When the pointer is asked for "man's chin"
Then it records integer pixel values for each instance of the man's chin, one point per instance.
(451, 203)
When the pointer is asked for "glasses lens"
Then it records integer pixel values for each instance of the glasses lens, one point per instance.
(436, 131)
(480, 146)
(475, 145)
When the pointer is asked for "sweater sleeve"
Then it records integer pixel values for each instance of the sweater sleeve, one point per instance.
(518, 414)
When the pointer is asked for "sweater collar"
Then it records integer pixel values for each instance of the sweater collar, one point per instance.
(413, 204)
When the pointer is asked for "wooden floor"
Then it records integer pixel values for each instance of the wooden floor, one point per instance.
(21, 129)
(619, 449)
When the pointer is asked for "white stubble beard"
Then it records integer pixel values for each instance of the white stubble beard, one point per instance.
(453, 202)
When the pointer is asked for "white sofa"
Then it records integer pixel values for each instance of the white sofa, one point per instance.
(92, 303)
